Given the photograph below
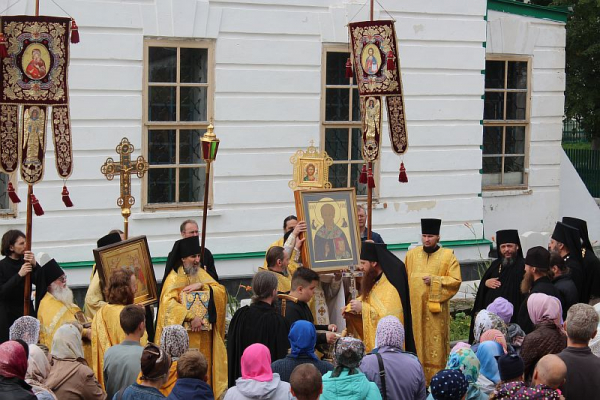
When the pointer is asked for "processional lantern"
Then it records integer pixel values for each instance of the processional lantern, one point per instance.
(210, 145)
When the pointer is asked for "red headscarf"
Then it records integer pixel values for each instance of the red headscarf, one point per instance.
(13, 360)
(256, 363)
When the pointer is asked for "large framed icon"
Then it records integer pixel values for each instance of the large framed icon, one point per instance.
(332, 238)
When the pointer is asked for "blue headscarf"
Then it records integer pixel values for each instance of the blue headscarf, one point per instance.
(486, 353)
(303, 337)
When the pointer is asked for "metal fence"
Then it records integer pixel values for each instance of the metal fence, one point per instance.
(587, 164)
(573, 133)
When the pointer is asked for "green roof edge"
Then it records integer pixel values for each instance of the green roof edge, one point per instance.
(558, 14)
(261, 254)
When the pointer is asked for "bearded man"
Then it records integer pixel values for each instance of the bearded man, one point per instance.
(503, 277)
(184, 275)
(57, 307)
(566, 241)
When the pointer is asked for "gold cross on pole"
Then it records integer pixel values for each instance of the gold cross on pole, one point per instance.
(125, 168)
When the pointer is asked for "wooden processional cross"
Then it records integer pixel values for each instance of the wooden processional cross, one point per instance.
(125, 168)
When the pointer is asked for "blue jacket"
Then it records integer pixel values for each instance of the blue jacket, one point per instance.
(349, 387)
(139, 392)
(190, 388)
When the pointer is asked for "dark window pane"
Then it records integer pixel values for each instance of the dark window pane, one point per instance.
(162, 64)
(191, 185)
(513, 170)
(361, 189)
(492, 140)
(517, 75)
(515, 140)
(338, 175)
(189, 146)
(4, 204)
(355, 105)
(336, 69)
(161, 147)
(356, 153)
(337, 105)
(494, 74)
(492, 165)
(193, 64)
(161, 105)
(336, 143)
(161, 185)
(516, 104)
(493, 107)
(193, 104)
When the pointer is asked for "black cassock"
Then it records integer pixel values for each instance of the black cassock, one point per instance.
(510, 278)
(256, 323)
(301, 311)
(592, 272)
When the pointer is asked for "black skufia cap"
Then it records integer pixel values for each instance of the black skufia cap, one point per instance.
(430, 226)
(109, 239)
(511, 366)
(508, 236)
(581, 225)
(538, 257)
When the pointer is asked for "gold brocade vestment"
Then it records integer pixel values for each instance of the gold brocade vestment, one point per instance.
(210, 343)
(94, 299)
(430, 304)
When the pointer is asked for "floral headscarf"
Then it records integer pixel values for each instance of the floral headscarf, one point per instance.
(460, 345)
(496, 336)
(502, 308)
(174, 340)
(25, 328)
(13, 360)
(518, 390)
(348, 352)
(485, 321)
(390, 332)
(465, 361)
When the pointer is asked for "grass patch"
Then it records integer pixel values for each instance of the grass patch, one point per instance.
(577, 146)
(459, 326)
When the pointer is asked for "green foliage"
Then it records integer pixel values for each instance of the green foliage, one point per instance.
(459, 327)
(577, 146)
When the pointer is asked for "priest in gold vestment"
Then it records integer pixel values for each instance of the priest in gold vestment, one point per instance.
(384, 291)
(206, 334)
(57, 307)
(434, 278)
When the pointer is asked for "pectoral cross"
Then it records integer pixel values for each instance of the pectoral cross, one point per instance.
(125, 168)
(353, 274)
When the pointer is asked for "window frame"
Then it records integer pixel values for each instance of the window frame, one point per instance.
(332, 48)
(13, 209)
(176, 125)
(506, 123)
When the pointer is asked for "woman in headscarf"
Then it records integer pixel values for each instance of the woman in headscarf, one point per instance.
(303, 338)
(346, 381)
(70, 378)
(258, 380)
(465, 361)
(449, 384)
(489, 376)
(13, 365)
(25, 328)
(548, 337)
(496, 336)
(38, 369)
(174, 340)
(485, 321)
(595, 342)
(502, 308)
(404, 377)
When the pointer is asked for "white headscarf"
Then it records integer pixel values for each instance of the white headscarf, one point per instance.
(25, 328)
(67, 342)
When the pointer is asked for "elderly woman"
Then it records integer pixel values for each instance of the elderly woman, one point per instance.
(485, 321)
(464, 360)
(13, 365)
(548, 337)
(449, 384)
(489, 375)
(70, 378)
(496, 336)
(175, 341)
(25, 328)
(346, 381)
(38, 369)
(258, 380)
(404, 377)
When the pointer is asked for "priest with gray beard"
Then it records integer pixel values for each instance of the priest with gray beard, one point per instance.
(503, 277)
(57, 307)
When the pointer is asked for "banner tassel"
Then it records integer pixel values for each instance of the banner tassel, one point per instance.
(74, 32)
(403, 178)
(37, 207)
(363, 175)
(370, 180)
(65, 197)
(12, 194)
(349, 73)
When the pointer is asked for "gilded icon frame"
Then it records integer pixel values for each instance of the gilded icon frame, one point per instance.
(320, 163)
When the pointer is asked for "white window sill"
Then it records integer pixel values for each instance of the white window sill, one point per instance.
(505, 193)
(187, 213)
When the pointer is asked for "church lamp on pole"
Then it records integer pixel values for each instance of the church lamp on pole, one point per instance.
(210, 146)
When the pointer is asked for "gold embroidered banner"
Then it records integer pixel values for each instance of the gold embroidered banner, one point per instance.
(33, 143)
(61, 130)
(371, 113)
(397, 122)
(9, 137)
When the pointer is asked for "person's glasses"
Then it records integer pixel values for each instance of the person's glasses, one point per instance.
(63, 279)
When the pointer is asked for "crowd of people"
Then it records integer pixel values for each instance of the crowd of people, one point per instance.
(533, 333)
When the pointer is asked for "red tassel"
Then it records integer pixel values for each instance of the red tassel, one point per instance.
(12, 194)
(74, 32)
(402, 178)
(65, 197)
(37, 207)
(363, 175)
(391, 61)
(3, 44)
(370, 180)
(348, 69)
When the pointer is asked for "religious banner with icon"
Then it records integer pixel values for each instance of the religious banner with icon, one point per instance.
(33, 77)
(370, 110)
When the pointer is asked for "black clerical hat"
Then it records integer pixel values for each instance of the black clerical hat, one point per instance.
(430, 226)
(182, 248)
(109, 239)
(510, 366)
(570, 237)
(508, 236)
(581, 225)
(538, 257)
(370, 251)
(52, 271)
